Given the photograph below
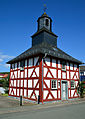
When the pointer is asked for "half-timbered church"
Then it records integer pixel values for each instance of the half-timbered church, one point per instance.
(44, 70)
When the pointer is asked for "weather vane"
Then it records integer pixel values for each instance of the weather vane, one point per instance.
(45, 8)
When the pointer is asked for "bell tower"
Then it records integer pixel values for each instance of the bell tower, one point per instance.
(44, 22)
(44, 32)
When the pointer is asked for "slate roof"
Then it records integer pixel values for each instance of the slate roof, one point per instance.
(42, 49)
(44, 29)
(44, 15)
(82, 68)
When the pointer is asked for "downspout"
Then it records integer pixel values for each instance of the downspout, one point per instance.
(42, 80)
(42, 74)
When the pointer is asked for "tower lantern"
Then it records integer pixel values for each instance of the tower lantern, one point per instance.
(44, 22)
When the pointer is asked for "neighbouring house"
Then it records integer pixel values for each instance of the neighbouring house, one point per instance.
(82, 73)
(3, 76)
(44, 70)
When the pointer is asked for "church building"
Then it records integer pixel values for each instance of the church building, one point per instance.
(44, 70)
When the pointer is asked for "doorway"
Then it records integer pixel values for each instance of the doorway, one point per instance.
(64, 89)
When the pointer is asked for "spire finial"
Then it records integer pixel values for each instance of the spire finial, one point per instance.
(45, 8)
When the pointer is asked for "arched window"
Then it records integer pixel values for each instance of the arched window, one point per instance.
(47, 22)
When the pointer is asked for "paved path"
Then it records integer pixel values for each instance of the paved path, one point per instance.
(66, 111)
(10, 102)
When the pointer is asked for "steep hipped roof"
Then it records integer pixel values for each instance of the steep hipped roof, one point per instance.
(42, 49)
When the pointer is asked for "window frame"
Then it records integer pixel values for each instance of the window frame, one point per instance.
(64, 65)
(52, 86)
(22, 65)
(72, 87)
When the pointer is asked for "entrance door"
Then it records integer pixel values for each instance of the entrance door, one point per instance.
(64, 90)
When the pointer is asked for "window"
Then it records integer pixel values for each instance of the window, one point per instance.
(72, 84)
(53, 84)
(15, 65)
(82, 73)
(12, 66)
(22, 63)
(47, 22)
(30, 62)
(63, 65)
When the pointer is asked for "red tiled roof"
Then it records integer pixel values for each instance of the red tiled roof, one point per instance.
(3, 75)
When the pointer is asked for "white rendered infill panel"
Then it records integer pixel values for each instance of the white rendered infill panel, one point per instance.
(58, 93)
(37, 93)
(35, 82)
(14, 91)
(25, 83)
(59, 73)
(54, 93)
(72, 92)
(15, 73)
(29, 93)
(21, 92)
(19, 74)
(67, 74)
(11, 75)
(45, 92)
(25, 93)
(33, 96)
(30, 72)
(84, 73)
(33, 75)
(77, 74)
(49, 75)
(49, 97)
(25, 73)
(11, 84)
(14, 83)
(37, 71)
(45, 71)
(29, 83)
(53, 71)
(21, 83)
(72, 74)
(47, 83)
(18, 83)
(17, 92)
(22, 74)
(64, 75)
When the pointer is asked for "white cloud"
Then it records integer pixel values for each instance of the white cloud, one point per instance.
(4, 59)
(6, 65)
(2, 56)
(1, 60)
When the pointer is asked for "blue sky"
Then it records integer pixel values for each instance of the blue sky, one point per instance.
(18, 21)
